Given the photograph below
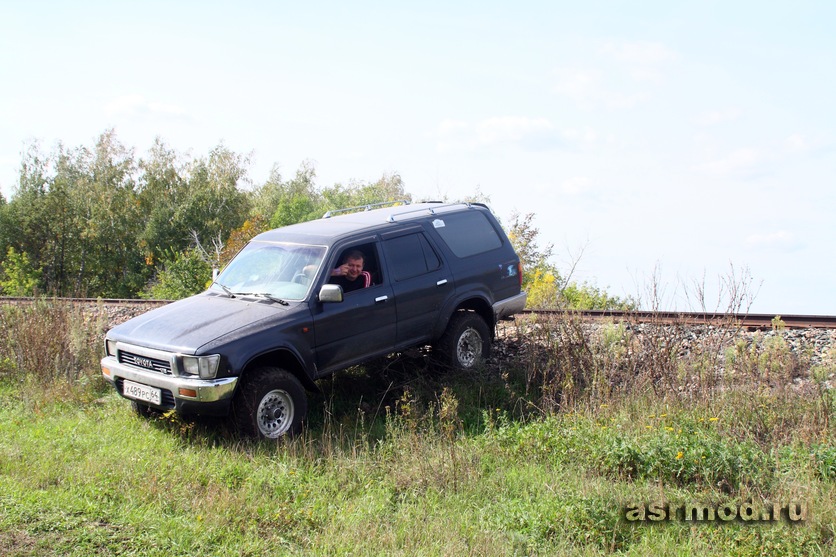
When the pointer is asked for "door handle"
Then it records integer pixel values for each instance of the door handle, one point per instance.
(381, 299)
(442, 282)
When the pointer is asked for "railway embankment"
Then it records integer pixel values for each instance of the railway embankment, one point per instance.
(726, 346)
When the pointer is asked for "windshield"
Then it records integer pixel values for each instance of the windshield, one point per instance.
(280, 270)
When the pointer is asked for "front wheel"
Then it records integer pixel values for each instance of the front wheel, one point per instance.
(144, 411)
(270, 404)
(466, 343)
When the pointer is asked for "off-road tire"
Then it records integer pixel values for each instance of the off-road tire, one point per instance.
(466, 342)
(270, 404)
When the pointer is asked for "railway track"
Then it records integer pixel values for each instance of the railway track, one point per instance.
(746, 320)
(751, 321)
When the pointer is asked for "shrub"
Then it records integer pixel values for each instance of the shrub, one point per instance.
(183, 275)
(17, 275)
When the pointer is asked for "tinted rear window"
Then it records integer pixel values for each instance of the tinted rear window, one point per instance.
(467, 233)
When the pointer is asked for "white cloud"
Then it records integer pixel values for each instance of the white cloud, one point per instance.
(585, 135)
(747, 162)
(620, 75)
(579, 84)
(587, 88)
(714, 117)
(739, 162)
(796, 143)
(779, 240)
(511, 129)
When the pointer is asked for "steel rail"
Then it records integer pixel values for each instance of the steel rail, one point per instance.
(747, 320)
(105, 301)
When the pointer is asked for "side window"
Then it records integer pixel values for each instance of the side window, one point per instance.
(366, 254)
(410, 256)
(467, 233)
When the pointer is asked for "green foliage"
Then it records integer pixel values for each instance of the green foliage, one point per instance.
(17, 275)
(239, 238)
(183, 274)
(213, 205)
(6, 231)
(296, 200)
(95, 221)
(75, 216)
(679, 452)
(299, 199)
(825, 461)
(589, 296)
(525, 238)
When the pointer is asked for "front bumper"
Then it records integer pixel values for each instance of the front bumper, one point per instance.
(184, 394)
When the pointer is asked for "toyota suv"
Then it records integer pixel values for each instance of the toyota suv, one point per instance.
(279, 316)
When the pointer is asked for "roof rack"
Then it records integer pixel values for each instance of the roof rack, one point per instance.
(368, 207)
(430, 210)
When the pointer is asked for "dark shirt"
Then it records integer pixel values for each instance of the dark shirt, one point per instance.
(350, 285)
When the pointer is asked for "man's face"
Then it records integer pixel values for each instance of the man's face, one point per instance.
(353, 268)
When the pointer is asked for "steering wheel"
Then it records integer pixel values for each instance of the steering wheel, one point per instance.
(301, 278)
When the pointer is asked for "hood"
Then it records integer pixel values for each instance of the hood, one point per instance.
(186, 325)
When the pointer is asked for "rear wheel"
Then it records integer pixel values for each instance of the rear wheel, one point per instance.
(270, 404)
(466, 343)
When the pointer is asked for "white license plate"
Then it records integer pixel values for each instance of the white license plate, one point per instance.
(142, 392)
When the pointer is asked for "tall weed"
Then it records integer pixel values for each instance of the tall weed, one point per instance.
(52, 346)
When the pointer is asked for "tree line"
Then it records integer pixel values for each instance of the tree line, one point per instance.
(100, 221)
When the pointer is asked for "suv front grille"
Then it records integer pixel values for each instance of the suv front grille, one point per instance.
(153, 364)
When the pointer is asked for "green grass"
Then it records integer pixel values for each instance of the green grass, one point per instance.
(94, 479)
(520, 458)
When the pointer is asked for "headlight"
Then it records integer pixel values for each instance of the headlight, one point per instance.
(206, 367)
(110, 347)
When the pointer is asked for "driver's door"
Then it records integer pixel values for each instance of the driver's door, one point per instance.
(363, 324)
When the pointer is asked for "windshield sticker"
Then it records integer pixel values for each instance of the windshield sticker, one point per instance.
(438, 223)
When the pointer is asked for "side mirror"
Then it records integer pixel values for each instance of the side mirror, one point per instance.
(331, 293)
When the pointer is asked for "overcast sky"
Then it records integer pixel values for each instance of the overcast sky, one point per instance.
(666, 139)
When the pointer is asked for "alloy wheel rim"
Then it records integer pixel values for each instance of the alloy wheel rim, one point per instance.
(275, 413)
(469, 347)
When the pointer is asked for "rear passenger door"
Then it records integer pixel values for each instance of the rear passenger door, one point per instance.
(421, 281)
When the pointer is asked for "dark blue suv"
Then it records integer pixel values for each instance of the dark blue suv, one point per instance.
(301, 302)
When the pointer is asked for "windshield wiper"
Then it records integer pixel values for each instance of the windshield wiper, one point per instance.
(227, 290)
(263, 295)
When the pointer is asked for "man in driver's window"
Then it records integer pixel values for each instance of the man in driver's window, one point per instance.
(350, 275)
